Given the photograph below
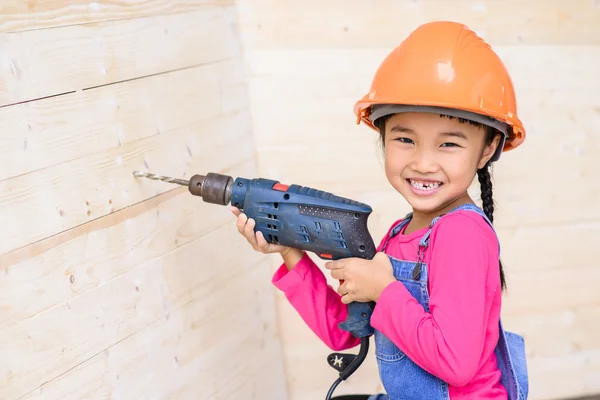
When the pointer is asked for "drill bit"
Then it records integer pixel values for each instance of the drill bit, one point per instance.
(156, 177)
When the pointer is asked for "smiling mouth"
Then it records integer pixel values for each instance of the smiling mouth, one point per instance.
(424, 185)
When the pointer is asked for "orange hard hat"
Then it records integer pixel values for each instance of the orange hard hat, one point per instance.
(444, 67)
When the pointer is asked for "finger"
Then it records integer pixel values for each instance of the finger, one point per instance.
(347, 299)
(249, 232)
(342, 289)
(338, 274)
(236, 211)
(338, 264)
(267, 247)
(262, 242)
(241, 222)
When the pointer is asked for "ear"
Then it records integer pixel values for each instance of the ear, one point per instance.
(488, 151)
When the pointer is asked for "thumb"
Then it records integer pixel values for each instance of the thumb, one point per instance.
(382, 259)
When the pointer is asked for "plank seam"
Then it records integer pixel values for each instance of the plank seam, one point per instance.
(37, 98)
(169, 71)
(199, 65)
(167, 194)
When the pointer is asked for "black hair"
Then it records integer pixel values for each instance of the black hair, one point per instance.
(483, 174)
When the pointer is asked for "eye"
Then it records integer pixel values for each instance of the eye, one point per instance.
(404, 140)
(449, 144)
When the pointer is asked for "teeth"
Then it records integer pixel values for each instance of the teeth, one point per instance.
(424, 186)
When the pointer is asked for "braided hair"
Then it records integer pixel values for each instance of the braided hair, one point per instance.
(483, 175)
(487, 200)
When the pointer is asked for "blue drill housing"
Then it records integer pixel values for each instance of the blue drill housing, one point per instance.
(330, 226)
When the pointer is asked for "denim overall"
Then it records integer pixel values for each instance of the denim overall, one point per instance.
(401, 377)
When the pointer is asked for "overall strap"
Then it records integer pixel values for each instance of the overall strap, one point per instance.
(396, 229)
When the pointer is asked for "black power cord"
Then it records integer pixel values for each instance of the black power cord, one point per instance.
(349, 364)
(332, 388)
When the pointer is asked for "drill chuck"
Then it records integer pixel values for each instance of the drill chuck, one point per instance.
(212, 187)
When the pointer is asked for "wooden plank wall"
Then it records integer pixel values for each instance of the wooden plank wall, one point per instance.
(310, 61)
(110, 286)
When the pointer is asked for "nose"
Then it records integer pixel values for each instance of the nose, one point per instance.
(424, 161)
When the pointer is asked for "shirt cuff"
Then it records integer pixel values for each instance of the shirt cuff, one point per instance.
(284, 279)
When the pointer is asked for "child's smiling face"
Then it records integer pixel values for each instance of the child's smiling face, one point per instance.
(431, 161)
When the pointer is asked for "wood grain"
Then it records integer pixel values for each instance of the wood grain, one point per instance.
(351, 24)
(117, 287)
(554, 289)
(559, 332)
(43, 63)
(19, 16)
(131, 369)
(61, 197)
(568, 245)
(179, 291)
(55, 270)
(51, 131)
(566, 376)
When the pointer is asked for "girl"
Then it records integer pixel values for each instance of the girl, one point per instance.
(444, 107)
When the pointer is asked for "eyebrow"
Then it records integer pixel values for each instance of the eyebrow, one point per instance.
(403, 129)
(400, 128)
(457, 134)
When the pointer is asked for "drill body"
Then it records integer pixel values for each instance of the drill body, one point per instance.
(330, 226)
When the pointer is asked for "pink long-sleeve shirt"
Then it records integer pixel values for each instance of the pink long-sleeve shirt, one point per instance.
(455, 341)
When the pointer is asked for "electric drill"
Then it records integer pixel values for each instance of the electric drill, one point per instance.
(330, 226)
